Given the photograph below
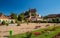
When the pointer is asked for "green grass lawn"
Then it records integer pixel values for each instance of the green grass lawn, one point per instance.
(43, 35)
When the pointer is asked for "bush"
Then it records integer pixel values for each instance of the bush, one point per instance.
(26, 21)
(3, 22)
(50, 28)
(12, 22)
(7, 24)
(18, 23)
(37, 33)
(47, 25)
(28, 34)
(39, 21)
(42, 31)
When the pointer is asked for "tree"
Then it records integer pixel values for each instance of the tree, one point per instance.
(28, 34)
(57, 20)
(21, 17)
(33, 14)
(13, 16)
(26, 21)
(26, 13)
(7, 24)
(18, 23)
(53, 20)
(12, 21)
(45, 17)
(3, 22)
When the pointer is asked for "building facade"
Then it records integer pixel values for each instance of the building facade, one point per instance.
(6, 19)
(33, 16)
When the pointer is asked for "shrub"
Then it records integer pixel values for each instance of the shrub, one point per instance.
(36, 27)
(42, 31)
(37, 33)
(50, 29)
(46, 29)
(39, 22)
(7, 24)
(43, 21)
(28, 34)
(26, 21)
(3, 22)
(12, 22)
(47, 25)
(18, 23)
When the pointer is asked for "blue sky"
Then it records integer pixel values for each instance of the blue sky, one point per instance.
(44, 7)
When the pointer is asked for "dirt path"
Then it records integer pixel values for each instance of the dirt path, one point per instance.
(4, 30)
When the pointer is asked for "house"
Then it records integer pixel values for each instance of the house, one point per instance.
(52, 16)
(32, 16)
(6, 19)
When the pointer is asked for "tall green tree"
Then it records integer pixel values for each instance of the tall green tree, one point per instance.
(13, 16)
(57, 20)
(3, 22)
(21, 17)
(26, 13)
(53, 20)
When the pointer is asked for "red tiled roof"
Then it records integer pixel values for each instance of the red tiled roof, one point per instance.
(53, 16)
(32, 10)
(3, 17)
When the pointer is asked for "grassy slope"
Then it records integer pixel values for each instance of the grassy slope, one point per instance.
(43, 35)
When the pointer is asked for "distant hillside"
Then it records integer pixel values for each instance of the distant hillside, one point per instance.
(52, 16)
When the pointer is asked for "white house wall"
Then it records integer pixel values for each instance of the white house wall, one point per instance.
(7, 20)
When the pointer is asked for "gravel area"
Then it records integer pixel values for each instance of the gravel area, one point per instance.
(4, 30)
